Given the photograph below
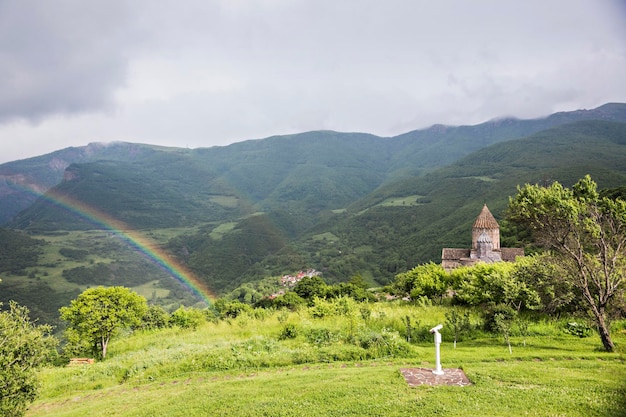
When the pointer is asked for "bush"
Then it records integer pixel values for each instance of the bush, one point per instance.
(231, 309)
(23, 347)
(155, 318)
(187, 318)
(343, 352)
(496, 315)
(366, 312)
(429, 280)
(322, 308)
(382, 344)
(289, 300)
(289, 331)
(578, 329)
(322, 336)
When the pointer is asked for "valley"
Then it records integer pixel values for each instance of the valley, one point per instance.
(343, 204)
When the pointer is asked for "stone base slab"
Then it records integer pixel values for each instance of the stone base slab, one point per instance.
(425, 376)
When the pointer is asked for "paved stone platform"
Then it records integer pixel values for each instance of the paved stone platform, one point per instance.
(424, 376)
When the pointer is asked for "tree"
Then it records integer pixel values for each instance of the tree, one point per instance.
(556, 294)
(459, 323)
(23, 347)
(427, 280)
(156, 317)
(187, 318)
(231, 308)
(289, 300)
(349, 289)
(311, 287)
(500, 319)
(585, 233)
(494, 283)
(97, 313)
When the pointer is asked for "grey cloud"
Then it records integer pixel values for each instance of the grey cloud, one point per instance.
(204, 72)
(59, 57)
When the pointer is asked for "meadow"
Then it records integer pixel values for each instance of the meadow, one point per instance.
(305, 363)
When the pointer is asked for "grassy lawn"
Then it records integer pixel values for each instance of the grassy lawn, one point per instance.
(560, 387)
(241, 367)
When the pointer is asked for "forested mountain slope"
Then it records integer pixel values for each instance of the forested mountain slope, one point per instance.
(409, 221)
(303, 172)
(344, 204)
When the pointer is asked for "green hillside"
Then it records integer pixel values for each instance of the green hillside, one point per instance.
(22, 181)
(282, 363)
(408, 222)
(320, 200)
(280, 171)
(152, 194)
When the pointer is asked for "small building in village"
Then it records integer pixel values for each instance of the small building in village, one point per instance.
(485, 245)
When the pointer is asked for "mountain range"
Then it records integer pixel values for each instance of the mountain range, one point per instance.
(343, 203)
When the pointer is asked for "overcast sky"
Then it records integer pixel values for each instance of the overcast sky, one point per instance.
(199, 73)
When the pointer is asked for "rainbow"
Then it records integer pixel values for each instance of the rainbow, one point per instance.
(134, 239)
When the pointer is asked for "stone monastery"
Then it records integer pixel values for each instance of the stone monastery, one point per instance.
(485, 245)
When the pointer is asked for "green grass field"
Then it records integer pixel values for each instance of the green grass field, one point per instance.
(242, 367)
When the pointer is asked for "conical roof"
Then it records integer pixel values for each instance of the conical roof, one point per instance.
(485, 220)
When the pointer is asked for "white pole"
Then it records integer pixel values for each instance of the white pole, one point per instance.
(435, 330)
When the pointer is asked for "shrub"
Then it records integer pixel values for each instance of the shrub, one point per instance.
(498, 314)
(231, 309)
(322, 336)
(211, 314)
(187, 318)
(155, 318)
(23, 347)
(382, 344)
(290, 300)
(366, 312)
(428, 280)
(343, 352)
(322, 308)
(283, 315)
(289, 331)
(578, 329)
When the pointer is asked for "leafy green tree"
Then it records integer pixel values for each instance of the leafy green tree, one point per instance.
(586, 234)
(427, 280)
(289, 300)
(459, 323)
(187, 318)
(231, 308)
(311, 287)
(358, 281)
(98, 312)
(500, 319)
(23, 347)
(556, 293)
(494, 283)
(347, 289)
(155, 318)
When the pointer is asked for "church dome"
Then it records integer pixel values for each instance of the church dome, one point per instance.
(485, 220)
